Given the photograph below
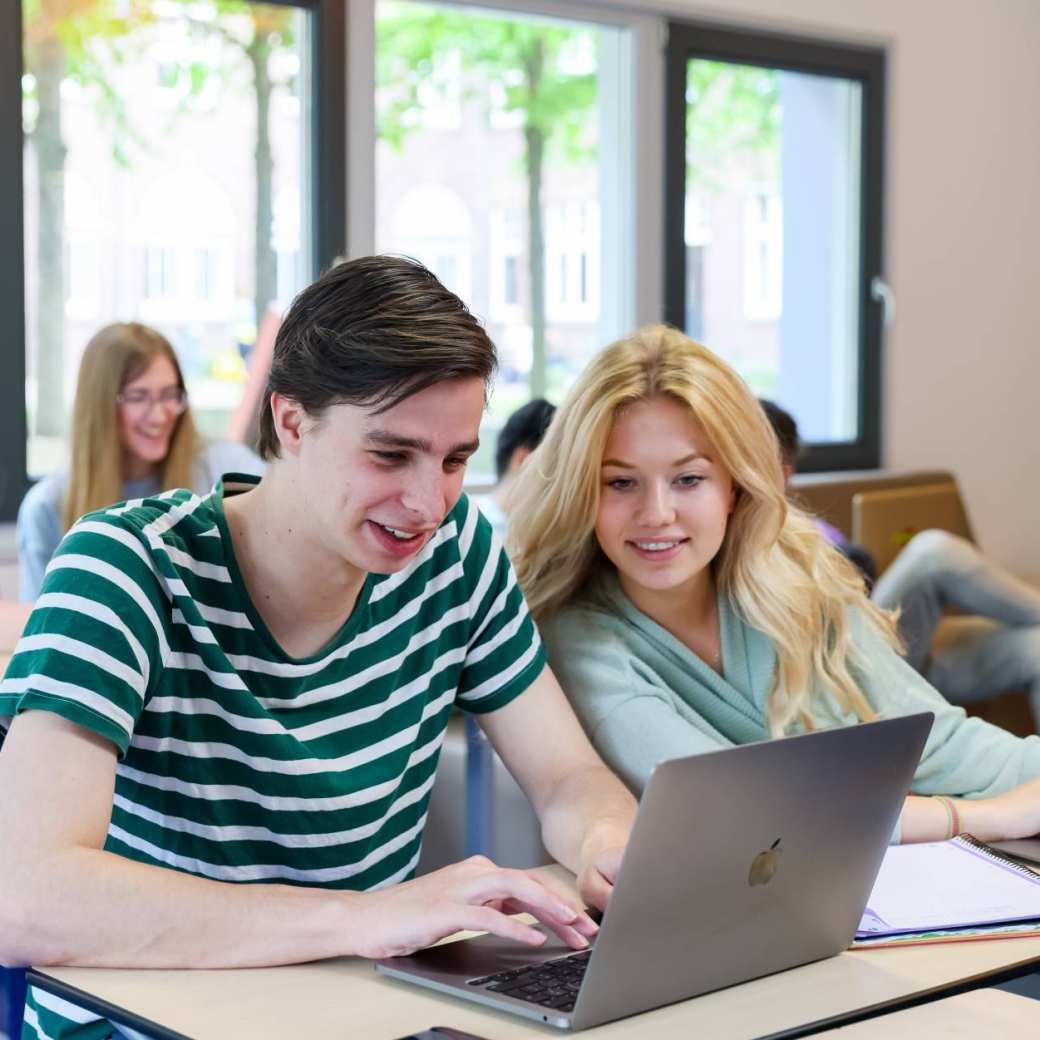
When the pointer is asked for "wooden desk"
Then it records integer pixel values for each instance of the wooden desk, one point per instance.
(968, 1016)
(343, 998)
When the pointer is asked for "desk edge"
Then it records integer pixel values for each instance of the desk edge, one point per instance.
(38, 977)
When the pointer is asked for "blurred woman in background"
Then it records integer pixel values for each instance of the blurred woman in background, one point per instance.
(132, 437)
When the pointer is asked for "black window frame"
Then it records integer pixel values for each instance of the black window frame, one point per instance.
(328, 191)
(866, 65)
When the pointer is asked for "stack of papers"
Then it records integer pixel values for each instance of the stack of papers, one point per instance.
(949, 885)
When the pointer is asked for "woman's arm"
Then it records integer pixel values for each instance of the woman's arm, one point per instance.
(63, 900)
(991, 775)
(1014, 814)
(963, 757)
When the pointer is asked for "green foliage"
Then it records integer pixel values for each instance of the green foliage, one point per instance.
(93, 37)
(731, 110)
(98, 37)
(245, 22)
(425, 52)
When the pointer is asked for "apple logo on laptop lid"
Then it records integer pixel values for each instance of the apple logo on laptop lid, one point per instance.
(764, 865)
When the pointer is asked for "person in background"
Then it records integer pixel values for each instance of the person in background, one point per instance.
(937, 570)
(521, 434)
(786, 430)
(132, 436)
(687, 606)
(243, 423)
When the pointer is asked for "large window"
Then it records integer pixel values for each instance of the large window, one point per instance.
(497, 165)
(169, 175)
(773, 223)
(184, 162)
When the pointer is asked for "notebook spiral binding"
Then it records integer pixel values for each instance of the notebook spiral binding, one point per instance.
(991, 853)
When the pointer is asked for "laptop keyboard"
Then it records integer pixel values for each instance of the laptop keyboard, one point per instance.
(552, 984)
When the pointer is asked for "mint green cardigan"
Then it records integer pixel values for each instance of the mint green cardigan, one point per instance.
(644, 697)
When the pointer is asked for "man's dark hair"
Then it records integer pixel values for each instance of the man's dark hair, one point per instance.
(372, 332)
(786, 430)
(525, 428)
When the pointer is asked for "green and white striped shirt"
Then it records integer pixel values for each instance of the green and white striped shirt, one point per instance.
(237, 762)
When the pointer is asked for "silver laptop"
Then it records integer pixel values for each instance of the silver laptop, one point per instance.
(742, 863)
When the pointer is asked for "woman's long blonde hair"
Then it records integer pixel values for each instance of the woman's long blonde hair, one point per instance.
(115, 356)
(774, 565)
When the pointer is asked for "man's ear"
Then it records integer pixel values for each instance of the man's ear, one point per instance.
(289, 422)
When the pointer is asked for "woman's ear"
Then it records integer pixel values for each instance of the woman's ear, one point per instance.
(734, 497)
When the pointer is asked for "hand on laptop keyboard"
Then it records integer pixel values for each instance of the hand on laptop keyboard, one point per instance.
(474, 895)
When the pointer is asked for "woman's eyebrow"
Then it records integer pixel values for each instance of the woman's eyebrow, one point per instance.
(693, 457)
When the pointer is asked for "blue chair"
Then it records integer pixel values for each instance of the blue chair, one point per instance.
(12, 1000)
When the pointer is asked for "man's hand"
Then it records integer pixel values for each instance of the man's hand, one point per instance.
(474, 895)
(601, 854)
(597, 877)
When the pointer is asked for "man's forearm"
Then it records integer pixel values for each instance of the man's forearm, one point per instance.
(93, 908)
(590, 810)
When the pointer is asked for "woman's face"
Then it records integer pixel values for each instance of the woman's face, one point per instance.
(149, 407)
(664, 500)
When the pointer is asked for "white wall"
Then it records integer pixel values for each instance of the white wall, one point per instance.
(962, 239)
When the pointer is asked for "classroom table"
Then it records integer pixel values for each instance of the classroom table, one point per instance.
(344, 997)
(968, 1016)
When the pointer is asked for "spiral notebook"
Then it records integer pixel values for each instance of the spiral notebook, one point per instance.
(937, 886)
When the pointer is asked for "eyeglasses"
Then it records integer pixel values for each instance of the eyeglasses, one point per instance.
(173, 399)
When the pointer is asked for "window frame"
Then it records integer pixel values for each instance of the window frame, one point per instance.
(14, 481)
(328, 188)
(867, 65)
(631, 278)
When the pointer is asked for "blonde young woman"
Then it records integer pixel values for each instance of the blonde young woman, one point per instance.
(132, 436)
(687, 606)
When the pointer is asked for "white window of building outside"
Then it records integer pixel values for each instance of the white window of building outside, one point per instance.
(503, 204)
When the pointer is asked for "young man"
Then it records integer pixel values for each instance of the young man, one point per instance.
(253, 686)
